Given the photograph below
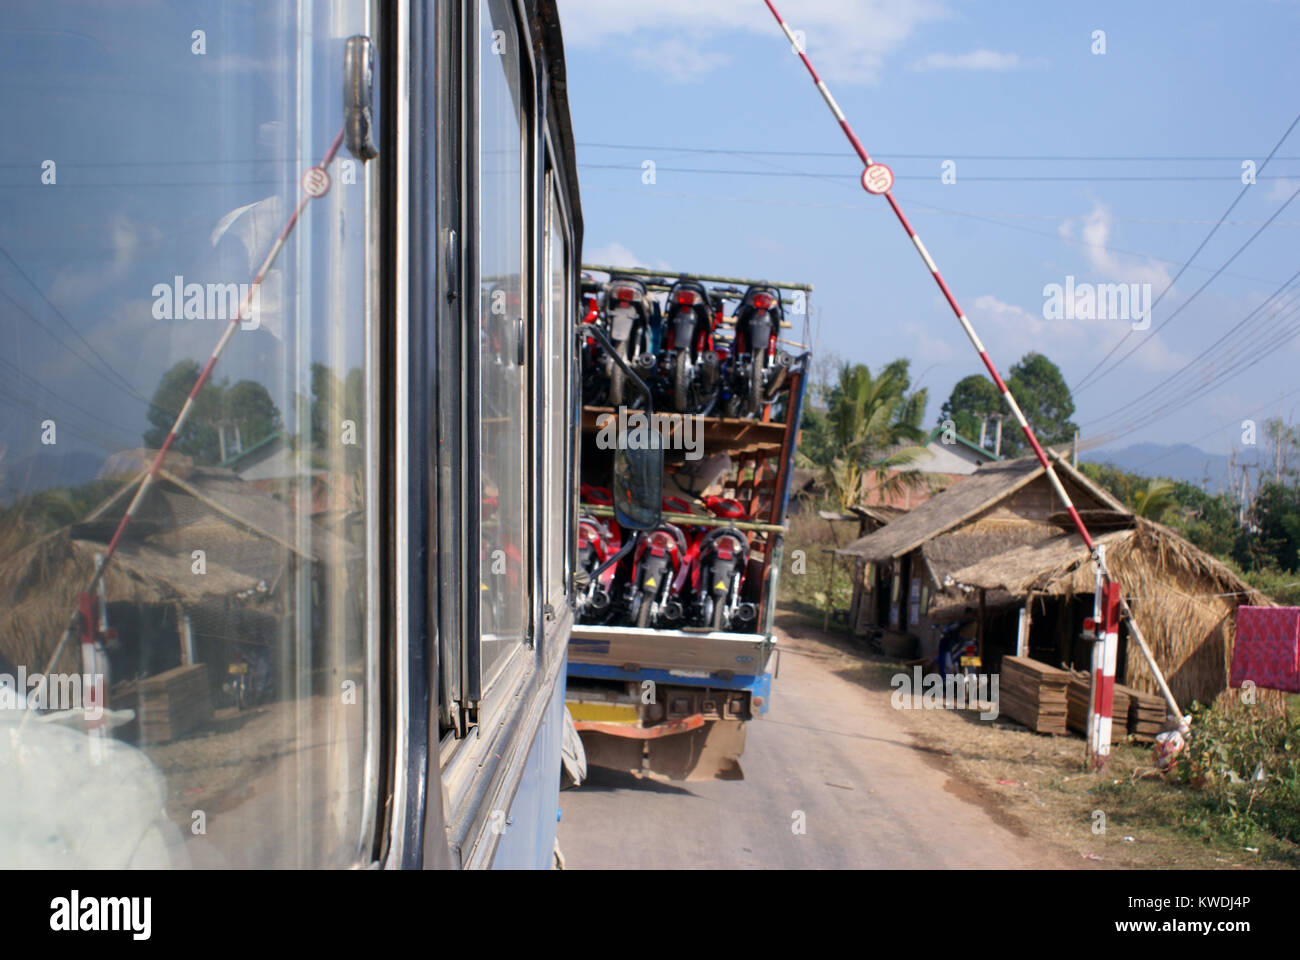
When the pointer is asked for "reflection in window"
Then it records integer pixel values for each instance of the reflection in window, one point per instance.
(503, 382)
(557, 439)
(230, 628)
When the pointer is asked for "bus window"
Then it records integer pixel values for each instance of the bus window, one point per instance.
(152, 156)
(504, 339)
(558, 329)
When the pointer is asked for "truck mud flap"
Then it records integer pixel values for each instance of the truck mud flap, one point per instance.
(709, 752)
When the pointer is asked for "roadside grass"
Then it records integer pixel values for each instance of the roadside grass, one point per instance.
(806, 574)
(1128, 816)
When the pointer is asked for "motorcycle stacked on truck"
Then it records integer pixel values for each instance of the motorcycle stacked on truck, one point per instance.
(673, 646)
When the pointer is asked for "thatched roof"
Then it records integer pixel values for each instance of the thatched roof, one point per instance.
(40, 585)
(247, 537)
(1183, 599)
(972, 495)
(1062, 566)
(950, 552)
(879, 513)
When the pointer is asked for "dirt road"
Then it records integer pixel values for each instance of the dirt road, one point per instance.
(831, 757)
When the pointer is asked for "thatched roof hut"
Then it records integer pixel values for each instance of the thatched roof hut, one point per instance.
(999, 506)
(40, 584)
(249, 540)
(1184, 600)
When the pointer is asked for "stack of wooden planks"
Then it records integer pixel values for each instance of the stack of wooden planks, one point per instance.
(1033, 694)
(1146, 713)
(174, 703)
(1079, 693)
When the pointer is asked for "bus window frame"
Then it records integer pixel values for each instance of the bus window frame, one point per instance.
(476, 690)
(559, 332)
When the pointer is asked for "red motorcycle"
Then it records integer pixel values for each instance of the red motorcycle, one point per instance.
(598, 541)
(693, 365)
(659, 556)
(757, 368)
(710, 583)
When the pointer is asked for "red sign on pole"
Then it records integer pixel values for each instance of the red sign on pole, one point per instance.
(877, 179)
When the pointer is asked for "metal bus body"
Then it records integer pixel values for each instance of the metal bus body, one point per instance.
(404, 553)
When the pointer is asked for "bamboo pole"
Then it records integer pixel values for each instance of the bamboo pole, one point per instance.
(691, 520)
(703, 277)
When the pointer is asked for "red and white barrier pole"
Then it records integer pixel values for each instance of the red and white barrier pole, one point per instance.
(1104, 626)
(879, 179)
(315, 183)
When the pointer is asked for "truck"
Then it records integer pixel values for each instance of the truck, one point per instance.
(675, 701)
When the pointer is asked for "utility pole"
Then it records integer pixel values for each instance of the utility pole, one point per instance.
(984, 424)
(997, 444)
(1074, 452)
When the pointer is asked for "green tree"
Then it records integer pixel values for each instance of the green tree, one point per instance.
(249, 405)
(874, 430)
(246, 405)
(1275, 516)
(198, 436)
(815, 447)
(1039, 388)
(1154, 500)
(1116, 482)
(1207, 520)
(972, 399)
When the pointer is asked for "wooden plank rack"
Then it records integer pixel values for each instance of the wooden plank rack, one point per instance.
(719, 433)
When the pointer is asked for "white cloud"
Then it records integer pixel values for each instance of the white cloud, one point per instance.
(975, 60)
(1282, 190)
(679, 62)
(848, 40)
(72, 286)
(1094, 230)
(1010, 331)
(614, 254)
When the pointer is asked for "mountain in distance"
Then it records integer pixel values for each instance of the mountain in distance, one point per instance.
(1177, 461)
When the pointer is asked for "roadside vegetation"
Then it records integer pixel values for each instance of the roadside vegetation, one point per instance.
(1129, 815)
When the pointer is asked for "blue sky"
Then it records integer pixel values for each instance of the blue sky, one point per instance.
(956, 81)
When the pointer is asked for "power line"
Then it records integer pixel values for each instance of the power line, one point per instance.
(1178, 403)
(1201, 289)
(1177, 373)
(1224, 426)
(994, 219)
(18, 372)
(1083, 178)
(839, 155)
(66, 322)
(1245, 187)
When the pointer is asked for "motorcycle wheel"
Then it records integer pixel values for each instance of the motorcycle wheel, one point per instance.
(617, 378)
(643, 613)
(756, 386)
(241, 699)
(719, 607)
(682, 381)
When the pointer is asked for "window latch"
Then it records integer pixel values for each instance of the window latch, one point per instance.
(452, 266)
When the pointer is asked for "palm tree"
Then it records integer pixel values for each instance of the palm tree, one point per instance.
(875, 425)
(1156, 500)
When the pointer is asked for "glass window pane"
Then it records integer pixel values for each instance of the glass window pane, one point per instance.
(503, 382)
(153, 155)
(557, 440)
